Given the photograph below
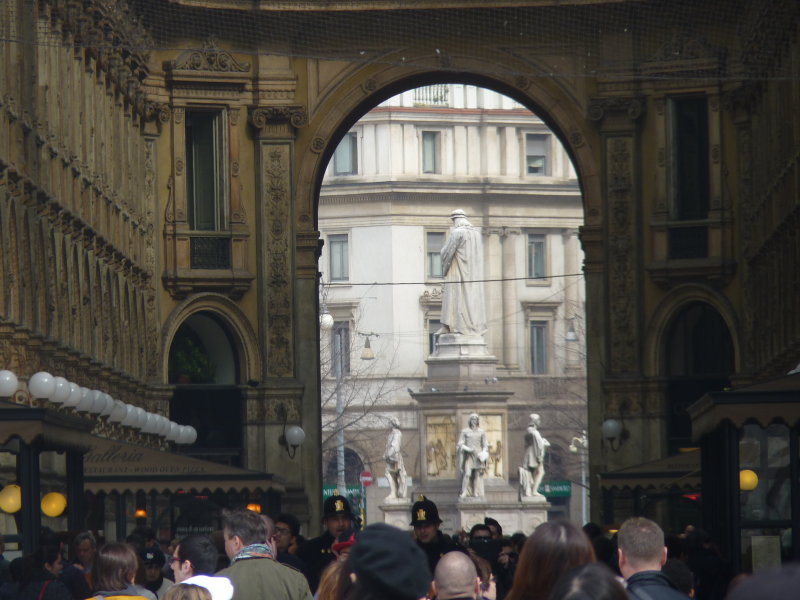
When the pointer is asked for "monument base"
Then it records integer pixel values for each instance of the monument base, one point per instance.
(397, 512)
(462, 359)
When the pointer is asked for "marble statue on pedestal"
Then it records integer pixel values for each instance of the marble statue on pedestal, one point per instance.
(532, 470)
(463, 309)
(473, 454)
(395, 470)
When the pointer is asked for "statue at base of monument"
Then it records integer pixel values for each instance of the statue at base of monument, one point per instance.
(473, 454)
(395, 470)
(531, 472)
(463, 309)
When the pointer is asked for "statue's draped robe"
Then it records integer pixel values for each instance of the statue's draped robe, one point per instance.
(463, 308)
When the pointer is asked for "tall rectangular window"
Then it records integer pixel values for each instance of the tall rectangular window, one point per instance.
(430, 152)
(433, 326)
(340, 268)
(434, 243)
(345, 158)
(538, 347)
(690, 169)
(536, 256)
(204, 170)
(340, 347)
(536, 154)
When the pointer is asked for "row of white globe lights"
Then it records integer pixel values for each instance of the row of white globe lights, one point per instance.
(60, 391)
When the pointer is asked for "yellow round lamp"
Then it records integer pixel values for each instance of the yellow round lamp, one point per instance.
(253, 507)
(53, 504)
(11, 498)
(748, 480)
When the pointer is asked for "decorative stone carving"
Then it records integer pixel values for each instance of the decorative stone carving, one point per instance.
(276, 199)
(633, 107)
(318, 145)
(209, 58)
(277, 115)
(621, 282)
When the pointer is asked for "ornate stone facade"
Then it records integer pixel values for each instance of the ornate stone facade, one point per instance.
(97, 252)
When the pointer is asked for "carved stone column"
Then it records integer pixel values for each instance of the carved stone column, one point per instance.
(617, 119)
(287, 326)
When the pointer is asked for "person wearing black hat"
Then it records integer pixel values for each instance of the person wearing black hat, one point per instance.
(387, 565)
(153, 560)
(317, 553)
(425, 520)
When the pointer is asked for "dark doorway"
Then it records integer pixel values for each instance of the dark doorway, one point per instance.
(699, 355)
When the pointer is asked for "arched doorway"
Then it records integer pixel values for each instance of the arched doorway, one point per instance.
(204, 368)
(699, 358)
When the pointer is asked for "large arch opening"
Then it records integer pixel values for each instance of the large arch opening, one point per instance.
(400, 165)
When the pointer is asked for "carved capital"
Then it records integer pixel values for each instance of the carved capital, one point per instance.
(296, 116)
(633, 107)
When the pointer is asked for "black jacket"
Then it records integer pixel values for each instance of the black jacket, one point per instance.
(54, 590)
(653, 585)
(316, 554)
(440, 546)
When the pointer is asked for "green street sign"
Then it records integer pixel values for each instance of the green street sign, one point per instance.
(556, 489)
(350, 492)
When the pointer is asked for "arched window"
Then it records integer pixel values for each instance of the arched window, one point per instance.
(699, 359)
(353, 467)
(204, 368)
(202, 353)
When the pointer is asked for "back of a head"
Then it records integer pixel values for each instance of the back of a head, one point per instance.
(641, 540)
(115, 567)
(201, 552)
(593, 581)
(187, 591)
(554, 548)
(245, 524)
(455, 576)
(388, 564)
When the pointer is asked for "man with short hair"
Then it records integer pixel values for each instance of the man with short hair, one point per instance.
(456, 578)
(285, 533)
(425, 520)
(85, 546)
(317, 553)
(254, 571)
(642, 553)
(195, 561)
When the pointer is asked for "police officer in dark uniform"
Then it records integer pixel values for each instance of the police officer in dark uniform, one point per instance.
(426, 521)
(316, 553)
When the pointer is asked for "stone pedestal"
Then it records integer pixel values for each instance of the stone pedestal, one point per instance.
(459, 360)
(397, 512)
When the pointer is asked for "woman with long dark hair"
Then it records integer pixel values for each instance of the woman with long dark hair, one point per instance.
(555, 548)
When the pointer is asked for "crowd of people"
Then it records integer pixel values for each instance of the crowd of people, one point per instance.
(259, 556)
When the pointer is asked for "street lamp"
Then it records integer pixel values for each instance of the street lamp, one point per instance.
(580, 446)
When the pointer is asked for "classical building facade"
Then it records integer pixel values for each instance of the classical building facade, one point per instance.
(160, 184)
(384, 217)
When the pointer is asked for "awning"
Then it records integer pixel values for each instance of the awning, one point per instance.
(680, 471)
(52, 429)
(764, 402)
(114, 466)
